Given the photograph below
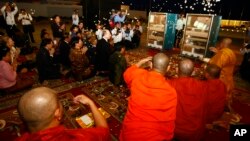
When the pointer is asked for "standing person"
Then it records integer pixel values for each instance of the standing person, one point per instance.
(47, 126)
(245, 64)
(98, 32)
(117, 35)
(120, 17)
(152, 105)
(26, 20)
(191, 101)
(9, 17)
(127, 34)
(56, 28)
(103, 52)
(226, 60)
(136, 37)
(181, 22)
(75, 17)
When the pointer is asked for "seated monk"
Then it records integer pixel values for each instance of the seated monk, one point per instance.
(217, 93)
(10, 81)
(152, 104)
(191, 97)
(42, 113)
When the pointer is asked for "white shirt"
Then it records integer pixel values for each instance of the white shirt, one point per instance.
(9, 16)
(116, 38)
(180, 23)
(128, 36)
(98, 34)
(75, 19)
(26, 18)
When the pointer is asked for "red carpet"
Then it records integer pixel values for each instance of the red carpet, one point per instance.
(113, 100)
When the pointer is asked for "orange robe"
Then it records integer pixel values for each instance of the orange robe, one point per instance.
(191, 108)
(151, 107)
(226, 60)
(60, 133)
(216, 99)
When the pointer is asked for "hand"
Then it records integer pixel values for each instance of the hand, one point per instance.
(213, 49)
(84, 50)
(143, 61)
(83, 99)
(52, 51)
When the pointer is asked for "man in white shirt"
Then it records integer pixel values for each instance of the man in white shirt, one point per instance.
(117, 34)
(181, 22)
(9, 17)
(127, 35)
(28, 28)
(99, 32)
(75, 17)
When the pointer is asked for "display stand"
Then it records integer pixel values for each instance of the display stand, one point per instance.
(161, 30)
(200, 33)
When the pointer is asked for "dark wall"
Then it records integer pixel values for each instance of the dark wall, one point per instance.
(95, 10)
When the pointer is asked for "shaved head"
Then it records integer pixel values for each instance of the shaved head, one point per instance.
(186, 67)
(37, 107)
(160, 62)
(226, 42)
(213, 71)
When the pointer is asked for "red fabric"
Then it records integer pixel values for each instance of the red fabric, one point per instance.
(60, 133)
(151, 107)
(216, 99)
(191, 108)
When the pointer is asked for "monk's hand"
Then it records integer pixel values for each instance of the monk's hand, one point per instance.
(213, 49)
(83, 100)
(143, 61)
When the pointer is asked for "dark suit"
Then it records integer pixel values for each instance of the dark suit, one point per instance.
(46, 67)
(56, 31)
(103, 51)
(62, 54)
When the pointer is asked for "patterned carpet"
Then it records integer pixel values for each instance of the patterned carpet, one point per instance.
(113, 100)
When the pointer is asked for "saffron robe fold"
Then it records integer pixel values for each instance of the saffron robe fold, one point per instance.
(226, 60)
(60, 133)
(191, 108)
(216, 99)
(151, 107)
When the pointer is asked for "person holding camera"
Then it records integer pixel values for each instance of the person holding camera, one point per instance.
(26, 20)
(9, 11)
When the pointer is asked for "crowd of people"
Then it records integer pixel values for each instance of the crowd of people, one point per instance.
(158, 108)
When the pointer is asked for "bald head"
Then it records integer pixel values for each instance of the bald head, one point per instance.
(160, 62)
(37, 107)
(186, 67)
(213, 71)
(226, 42)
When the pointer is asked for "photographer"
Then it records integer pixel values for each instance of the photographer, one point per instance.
(9, 11)
(26, 20)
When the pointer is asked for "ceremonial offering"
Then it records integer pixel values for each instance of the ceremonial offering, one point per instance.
(87, 120)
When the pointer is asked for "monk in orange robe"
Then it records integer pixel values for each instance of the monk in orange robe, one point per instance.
(152, 104)
(191, 104)
(226, 60)
(216, 93)
(42, 113)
